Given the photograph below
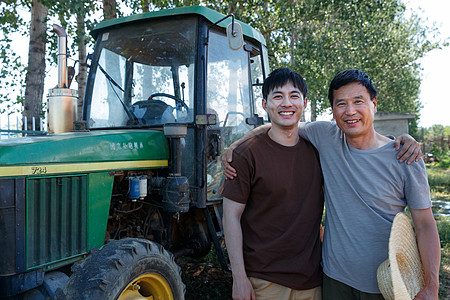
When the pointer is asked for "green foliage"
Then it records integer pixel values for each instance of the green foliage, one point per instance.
(435, 140)
(368, 35)
(444, 159)
(443, 224)
(436, 131)
(440, 152)
(438, 176)
(439, 181)
(413, 128)
(317, 38)
(66, 12)
(11, 69)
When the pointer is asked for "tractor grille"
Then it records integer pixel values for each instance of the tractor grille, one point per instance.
(56, 219)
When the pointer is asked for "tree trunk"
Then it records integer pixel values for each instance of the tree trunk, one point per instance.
(146, 6)
(313, 110)
(232, 7)
(82, 67)
(109, 9)
(34, 79)
(293, 45)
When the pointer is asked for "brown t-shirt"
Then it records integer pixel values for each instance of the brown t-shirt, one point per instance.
(282, 189)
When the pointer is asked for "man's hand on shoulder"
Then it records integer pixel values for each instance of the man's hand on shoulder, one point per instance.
(228, 171)
(410, 149)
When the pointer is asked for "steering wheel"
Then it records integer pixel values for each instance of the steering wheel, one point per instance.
(177, 100)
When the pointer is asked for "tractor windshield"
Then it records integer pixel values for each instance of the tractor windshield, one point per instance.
(144, 74)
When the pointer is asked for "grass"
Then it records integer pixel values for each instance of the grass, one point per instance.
(439, 181)
(443, 224)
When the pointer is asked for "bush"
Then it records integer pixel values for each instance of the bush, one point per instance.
(443, 225)
(438, 177)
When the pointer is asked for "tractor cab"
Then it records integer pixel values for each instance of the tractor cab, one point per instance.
(190, 66)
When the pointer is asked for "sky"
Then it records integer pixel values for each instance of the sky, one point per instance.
(435, 74)
(436, 65)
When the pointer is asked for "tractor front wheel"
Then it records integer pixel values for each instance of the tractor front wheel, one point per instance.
(124, 270)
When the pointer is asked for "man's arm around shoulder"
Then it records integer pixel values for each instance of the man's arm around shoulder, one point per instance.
(429, 249)
(227, 157)
(232, 212)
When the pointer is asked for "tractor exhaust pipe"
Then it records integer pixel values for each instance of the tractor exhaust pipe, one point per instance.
(62, 101)
(62, 56)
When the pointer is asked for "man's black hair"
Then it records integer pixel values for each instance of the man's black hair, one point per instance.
(279, 77)
(349, 76)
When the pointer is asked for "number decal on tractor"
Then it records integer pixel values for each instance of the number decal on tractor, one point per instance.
(38, 170)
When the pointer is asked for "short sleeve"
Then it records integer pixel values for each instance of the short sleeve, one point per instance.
(238, 189)
(315, 132)
(417, 191)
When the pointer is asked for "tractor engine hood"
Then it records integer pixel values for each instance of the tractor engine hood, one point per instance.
(76, 152)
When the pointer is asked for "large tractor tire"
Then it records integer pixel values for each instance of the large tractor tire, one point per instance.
(124, 270)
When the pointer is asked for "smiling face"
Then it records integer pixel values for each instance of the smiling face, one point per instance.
(285, 106)
(354, 111)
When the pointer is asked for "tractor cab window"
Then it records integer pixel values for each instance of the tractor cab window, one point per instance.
(228, 86)
(145, 75)
(257, 82)
(229, 97)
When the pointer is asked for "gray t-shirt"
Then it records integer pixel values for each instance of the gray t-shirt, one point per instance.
(364, 190)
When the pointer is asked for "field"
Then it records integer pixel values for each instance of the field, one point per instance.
(439, 180)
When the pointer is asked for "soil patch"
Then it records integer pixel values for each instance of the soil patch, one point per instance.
(205, 279)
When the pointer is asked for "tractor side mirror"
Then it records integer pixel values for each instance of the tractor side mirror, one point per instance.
(235, 36)
(255, 120)
(234, 33)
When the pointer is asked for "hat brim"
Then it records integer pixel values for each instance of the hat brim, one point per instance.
(401, 275)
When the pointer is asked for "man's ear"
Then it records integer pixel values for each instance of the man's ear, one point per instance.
(264, 104)
(305, 103)
(374, 100)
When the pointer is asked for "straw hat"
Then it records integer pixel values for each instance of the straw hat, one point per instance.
(401, 275)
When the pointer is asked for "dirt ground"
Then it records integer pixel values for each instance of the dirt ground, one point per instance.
(205, 279)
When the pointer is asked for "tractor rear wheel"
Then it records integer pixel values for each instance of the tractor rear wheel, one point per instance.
(124, 270)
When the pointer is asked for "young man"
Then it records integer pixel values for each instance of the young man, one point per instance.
(272, 211)
(365, 187)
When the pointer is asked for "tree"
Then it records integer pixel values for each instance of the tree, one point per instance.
(368, 35)
(77, 31)
(437, 130)
(109, 9)
(82, 66)
(317, 38)
(11, 68)
(34, 80)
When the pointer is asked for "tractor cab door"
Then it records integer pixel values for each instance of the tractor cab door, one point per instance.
(234, 82)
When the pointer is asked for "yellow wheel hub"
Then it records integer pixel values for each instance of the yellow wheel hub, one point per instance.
(147, 286)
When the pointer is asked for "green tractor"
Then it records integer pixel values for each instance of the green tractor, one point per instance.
(100, 210)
